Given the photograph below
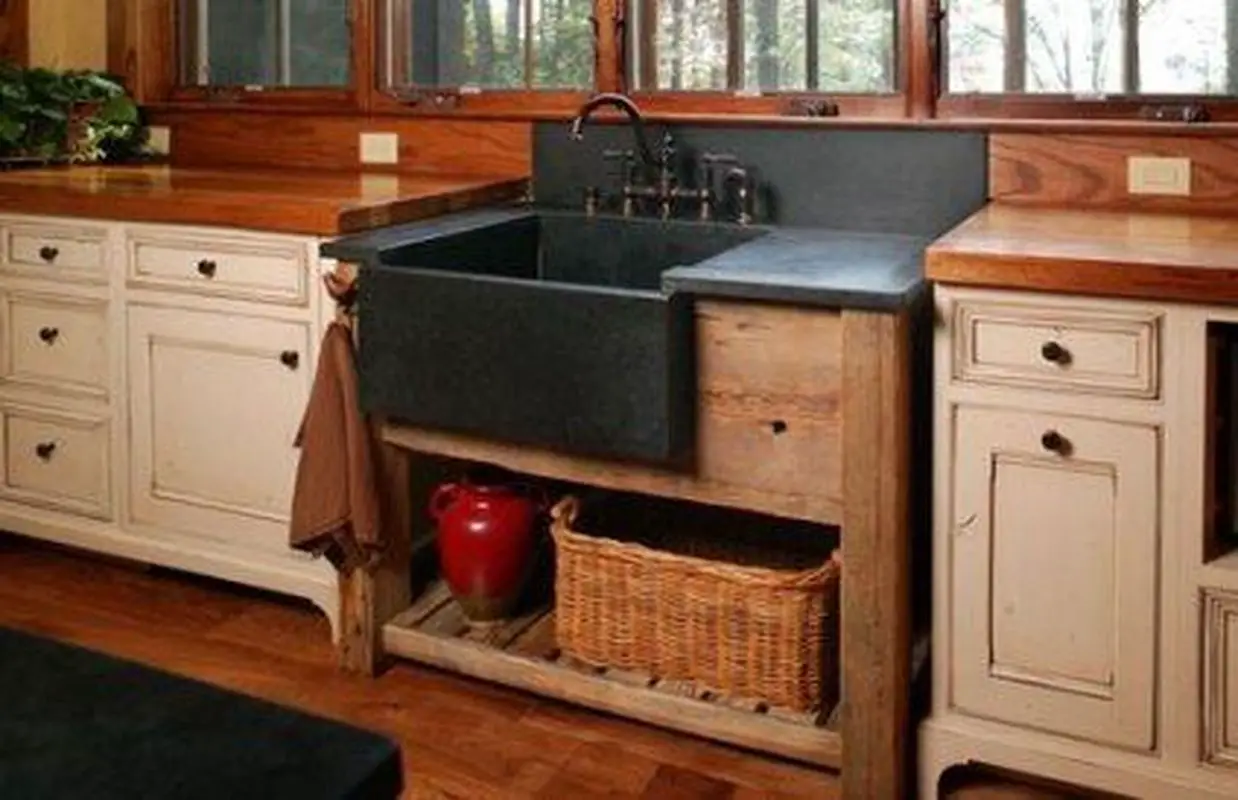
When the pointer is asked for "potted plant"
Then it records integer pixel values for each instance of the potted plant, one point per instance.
(49, 116)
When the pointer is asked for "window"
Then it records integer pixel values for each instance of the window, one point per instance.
(265, 43)
(1091, 49)
(757, 46)
(490, 44)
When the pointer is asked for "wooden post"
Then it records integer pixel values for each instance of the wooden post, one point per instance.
(876, 600)
(15, 31)
(369, 598)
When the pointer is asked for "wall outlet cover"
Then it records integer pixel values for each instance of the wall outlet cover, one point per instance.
(1163, 176)
(380, 148)
(159, 139)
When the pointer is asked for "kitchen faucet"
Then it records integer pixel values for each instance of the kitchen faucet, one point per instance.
(624, 104)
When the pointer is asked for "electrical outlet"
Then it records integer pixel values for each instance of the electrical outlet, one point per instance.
(159, 139)
(1166, 176)
(380, 148)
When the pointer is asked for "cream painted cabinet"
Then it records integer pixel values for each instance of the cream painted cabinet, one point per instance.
(152, 379)
(1054, 566)
(214, 406)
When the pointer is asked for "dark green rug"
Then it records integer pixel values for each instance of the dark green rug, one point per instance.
(78, 724)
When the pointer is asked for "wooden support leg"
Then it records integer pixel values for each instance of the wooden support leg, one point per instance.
(371, 597)
(876, 600)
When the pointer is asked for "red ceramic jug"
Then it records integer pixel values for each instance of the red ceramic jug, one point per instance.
(487, 545)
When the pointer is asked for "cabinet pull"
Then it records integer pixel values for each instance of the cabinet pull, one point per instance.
(1054, 353)
(207, 268)
(290, 359)
(49, 253)
(49, 335)
(45, 450)
(1055, 442)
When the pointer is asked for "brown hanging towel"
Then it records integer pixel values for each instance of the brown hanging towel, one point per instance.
(336, 510)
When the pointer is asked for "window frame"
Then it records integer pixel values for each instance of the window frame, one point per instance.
(352, 97)
(143, 42)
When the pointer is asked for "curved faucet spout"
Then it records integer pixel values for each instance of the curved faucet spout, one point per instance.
(624, 104)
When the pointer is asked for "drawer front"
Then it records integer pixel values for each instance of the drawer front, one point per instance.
(1108, 353)
(56, 343)
(769, 389)
(1221, 678)
(58, 252)
(57, 460)
(271, 270)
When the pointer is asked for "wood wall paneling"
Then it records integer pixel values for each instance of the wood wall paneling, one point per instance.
(68, 34)
(1090, 170)
(243, 139)
(14, 31)
(140, 45)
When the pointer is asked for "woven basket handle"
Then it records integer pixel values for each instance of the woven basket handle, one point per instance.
(566, 511)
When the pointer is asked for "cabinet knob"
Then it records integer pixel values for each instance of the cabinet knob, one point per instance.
(207, 268)
(49, 253)
(45, 450)
(1055, 442)
(49, 335)
(290, 359)
(1054, 353)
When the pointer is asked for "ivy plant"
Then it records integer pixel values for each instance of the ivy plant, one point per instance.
(76, 115)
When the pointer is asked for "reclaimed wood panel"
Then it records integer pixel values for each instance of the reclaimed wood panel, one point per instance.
(1090, 170)
(274, 140)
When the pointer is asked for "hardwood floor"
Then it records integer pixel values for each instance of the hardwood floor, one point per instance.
(460, 738)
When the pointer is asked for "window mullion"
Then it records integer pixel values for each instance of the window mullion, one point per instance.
(812, 47)
(530, 56)
(1016, 46)
(1130, 46)
(735, 44)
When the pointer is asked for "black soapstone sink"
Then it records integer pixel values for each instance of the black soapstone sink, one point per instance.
(545, 328)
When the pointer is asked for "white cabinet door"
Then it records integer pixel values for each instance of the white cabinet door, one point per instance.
(215, 402)
(1054, 573)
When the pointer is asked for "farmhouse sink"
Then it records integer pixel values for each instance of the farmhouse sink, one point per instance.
(546, 328)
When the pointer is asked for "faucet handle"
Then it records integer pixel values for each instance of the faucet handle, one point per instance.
(712, 159)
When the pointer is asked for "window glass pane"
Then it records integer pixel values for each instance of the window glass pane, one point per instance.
(858, 49)
(496, 44)
(1089, 47)
(265, 42)
(770, 45)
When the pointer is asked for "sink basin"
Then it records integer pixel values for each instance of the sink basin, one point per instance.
(547, 328)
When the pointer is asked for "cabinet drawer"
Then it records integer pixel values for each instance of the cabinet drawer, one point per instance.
(58, 252)
(768, 405)
(1220, 712)
(1099, 352)
(257, 268)
(57, 460)
(60, 344)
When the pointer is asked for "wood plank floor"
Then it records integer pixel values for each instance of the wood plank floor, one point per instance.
(460, 738)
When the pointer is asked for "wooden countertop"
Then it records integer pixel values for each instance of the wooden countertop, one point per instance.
(292, 201)
(1116, 254)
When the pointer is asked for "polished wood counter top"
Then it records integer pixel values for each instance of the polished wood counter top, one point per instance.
(1105, 253)
(291, 201)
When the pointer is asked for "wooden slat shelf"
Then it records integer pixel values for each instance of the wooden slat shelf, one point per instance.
(522, 653)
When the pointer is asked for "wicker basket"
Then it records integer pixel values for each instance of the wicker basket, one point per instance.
(706, 609)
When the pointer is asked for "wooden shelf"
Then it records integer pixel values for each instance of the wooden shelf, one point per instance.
(522, 653)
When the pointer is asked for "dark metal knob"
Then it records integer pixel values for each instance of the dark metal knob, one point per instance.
(45, 450)
(1055, 442)
(48, 253)
(207, 268)
(49, 335)
(1054, 353)
(290, 359)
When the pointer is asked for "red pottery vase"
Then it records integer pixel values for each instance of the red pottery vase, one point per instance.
(487, 545)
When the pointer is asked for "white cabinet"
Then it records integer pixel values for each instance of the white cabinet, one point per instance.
(1054, 567)
(152, 380)
(214, 406)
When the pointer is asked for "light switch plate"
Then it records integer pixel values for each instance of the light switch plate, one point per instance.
(380, 148)
(1166, 176)
(159, 139)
